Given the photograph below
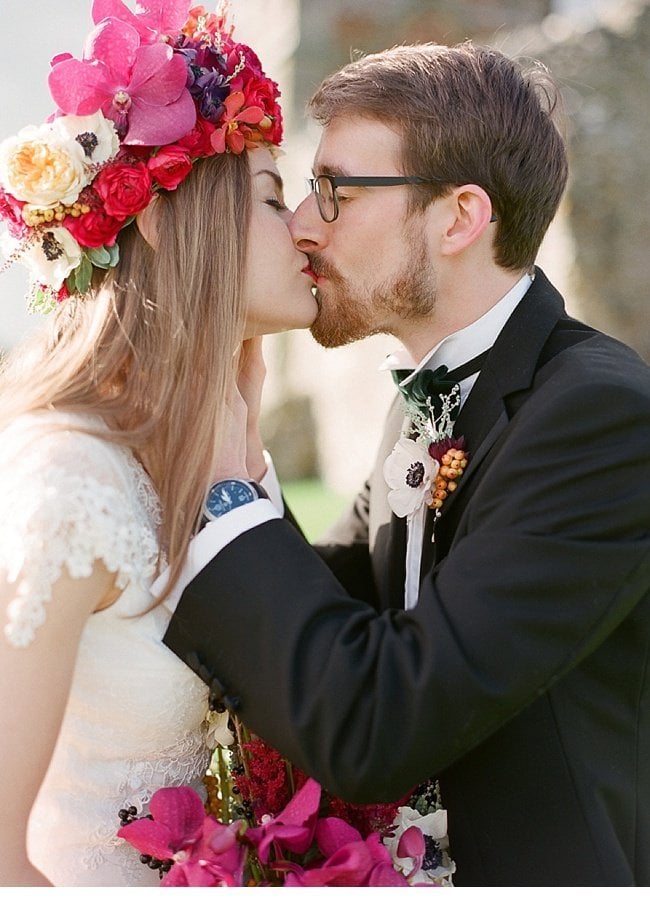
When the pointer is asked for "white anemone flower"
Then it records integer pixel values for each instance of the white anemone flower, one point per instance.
(409, 472)
(50, 256)
(436, 867)
(92, 138)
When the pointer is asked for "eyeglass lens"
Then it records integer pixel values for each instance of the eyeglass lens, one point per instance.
(326, 198)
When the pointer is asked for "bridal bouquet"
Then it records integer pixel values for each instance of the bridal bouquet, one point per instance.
(266, 823)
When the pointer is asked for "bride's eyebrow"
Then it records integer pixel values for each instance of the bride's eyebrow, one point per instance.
(274, 175)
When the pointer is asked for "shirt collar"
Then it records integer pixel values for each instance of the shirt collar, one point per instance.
(461, 346)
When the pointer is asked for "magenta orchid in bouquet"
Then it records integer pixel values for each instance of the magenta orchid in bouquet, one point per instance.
(266, 823)
(154, 91)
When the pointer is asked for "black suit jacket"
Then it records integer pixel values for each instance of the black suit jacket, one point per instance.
(521, 679)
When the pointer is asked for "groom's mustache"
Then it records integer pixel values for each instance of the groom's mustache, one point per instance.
(320, 267)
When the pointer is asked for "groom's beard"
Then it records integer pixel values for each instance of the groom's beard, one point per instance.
(349, 312)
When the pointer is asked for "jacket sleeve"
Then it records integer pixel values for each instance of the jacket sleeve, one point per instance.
(346, 551)
(554, 553)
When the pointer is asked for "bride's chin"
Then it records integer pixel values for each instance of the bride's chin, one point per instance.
(302, 316)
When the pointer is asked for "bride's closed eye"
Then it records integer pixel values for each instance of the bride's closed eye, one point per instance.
(276, 204)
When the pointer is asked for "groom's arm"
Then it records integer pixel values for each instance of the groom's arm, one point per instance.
(372, 704)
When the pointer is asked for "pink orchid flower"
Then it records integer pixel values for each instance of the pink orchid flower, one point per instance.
(141, 87)
(205, 852)
(216, 861)
(350, 861)
(292, 829)
(154, 18)
(234, 131)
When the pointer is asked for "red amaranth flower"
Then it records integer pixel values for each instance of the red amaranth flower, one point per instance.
(365, 818)
(438, 449)
(266, 784)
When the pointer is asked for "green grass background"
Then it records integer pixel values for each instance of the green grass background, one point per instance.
(314, 505)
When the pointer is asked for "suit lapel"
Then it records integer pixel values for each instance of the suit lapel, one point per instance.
(509, 369)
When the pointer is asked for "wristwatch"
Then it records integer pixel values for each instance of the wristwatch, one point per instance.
(229, 494)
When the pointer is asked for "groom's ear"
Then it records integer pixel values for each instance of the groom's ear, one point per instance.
(148, 222)
(470, 214)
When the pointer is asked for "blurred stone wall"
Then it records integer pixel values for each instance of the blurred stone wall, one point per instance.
(605, 77)
(332, 32)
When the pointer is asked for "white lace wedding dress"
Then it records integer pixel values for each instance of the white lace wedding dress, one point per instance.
(134, 721)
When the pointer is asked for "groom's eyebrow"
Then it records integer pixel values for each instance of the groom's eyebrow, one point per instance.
(330, 170)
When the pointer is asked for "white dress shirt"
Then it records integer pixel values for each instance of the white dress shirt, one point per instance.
(452, 351)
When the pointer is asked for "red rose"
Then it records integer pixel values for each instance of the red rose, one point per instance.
(170, 166)
(197, 141)
(125, 189)
(262, 92)
(94, 229)
(133, 153)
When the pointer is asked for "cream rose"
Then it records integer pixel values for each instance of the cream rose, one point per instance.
(38, 165)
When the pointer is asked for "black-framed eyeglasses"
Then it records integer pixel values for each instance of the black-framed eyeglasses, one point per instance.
(324, 186)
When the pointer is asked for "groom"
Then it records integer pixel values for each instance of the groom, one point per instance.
(499, 639)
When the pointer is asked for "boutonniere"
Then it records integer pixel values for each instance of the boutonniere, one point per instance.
(426, 462)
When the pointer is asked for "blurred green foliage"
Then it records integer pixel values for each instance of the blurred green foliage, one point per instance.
(314, 505)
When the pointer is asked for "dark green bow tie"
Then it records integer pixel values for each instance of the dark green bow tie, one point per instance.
(426, 390)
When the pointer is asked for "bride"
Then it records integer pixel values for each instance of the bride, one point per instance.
(152, 219)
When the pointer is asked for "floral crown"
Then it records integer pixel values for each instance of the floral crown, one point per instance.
(154, 91)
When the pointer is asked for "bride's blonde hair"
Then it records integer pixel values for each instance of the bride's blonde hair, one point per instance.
(153, 347)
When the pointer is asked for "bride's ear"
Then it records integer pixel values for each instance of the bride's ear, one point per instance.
(148, 222)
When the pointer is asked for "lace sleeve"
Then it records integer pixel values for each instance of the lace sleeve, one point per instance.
(68, 498)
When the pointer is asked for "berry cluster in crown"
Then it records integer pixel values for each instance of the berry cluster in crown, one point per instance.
(154, 91)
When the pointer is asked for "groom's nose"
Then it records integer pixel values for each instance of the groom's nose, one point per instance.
(308, 230)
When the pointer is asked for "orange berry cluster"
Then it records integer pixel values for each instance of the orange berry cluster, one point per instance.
(33, 216)
(452, 466)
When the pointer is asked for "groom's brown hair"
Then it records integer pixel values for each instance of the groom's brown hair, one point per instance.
(467, 114)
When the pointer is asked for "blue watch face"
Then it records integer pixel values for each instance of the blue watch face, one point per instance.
(226, 495)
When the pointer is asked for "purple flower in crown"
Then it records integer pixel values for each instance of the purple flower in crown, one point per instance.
(208, 82)
(210, 90)
(141, 87)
